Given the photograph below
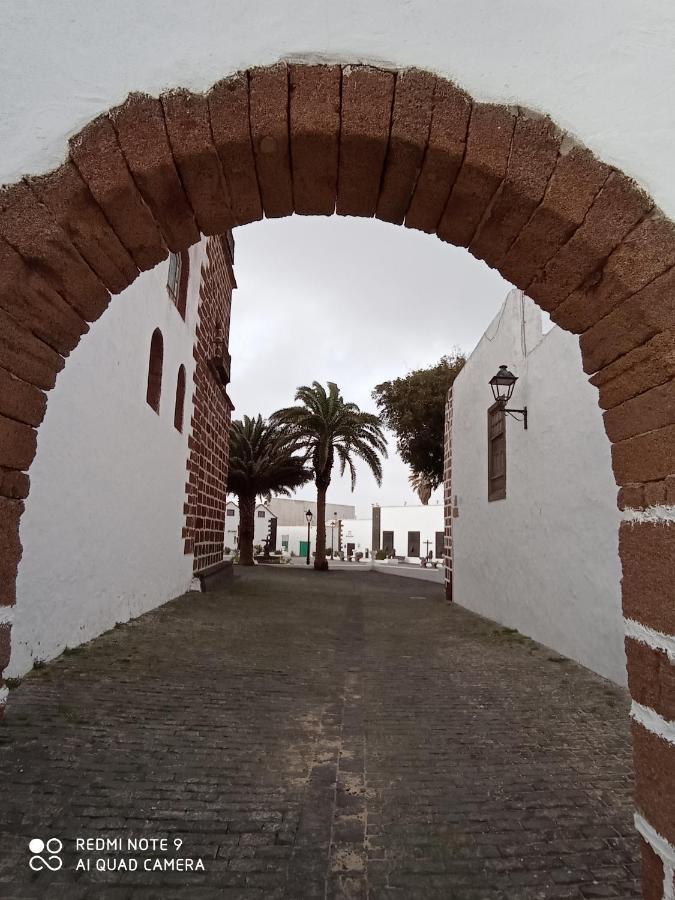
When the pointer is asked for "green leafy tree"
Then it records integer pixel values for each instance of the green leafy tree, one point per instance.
(326, 427)
(413, 407)
(263, 460)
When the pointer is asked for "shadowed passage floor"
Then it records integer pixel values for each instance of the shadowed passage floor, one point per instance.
(311, 735)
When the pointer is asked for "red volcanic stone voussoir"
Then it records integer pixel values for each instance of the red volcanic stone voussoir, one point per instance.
(645, 457)
(20, 400)
(18, 444)
(268, 111)
(410, 125)
(638, 371)
(315, 137)
(534, 152)
(101, 163)
(31, 230)
(229, 111)
(189, 128)
(631, 496)
(443, 157)
(367, 100)
(5, 645)
(634, 322)
(488, 146)
(26, 356)
(647, 551)
(141, 134)
(618, 207)
(70, 201)
(14, 484)
(654, 759)
(645, 254)
(651, 872)
(648, 411)
(575, 183)
(651, 678)
(10, 548)
(27, 297)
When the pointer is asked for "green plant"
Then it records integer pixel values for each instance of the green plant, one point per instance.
(381, 554)
(359, 556)
(263, 459)
(414, 408)
(228, 550)
(327, 427)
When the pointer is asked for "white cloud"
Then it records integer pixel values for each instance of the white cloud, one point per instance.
(356, 301)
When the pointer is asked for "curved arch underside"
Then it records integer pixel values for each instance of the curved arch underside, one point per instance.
(583, 240)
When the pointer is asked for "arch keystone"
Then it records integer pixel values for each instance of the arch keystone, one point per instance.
(367, 98)
(410, 124)
(315, 137)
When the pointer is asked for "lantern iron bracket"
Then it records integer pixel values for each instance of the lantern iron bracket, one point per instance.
(514, 413)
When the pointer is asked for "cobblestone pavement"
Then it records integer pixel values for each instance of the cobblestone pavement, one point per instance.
(309, 735)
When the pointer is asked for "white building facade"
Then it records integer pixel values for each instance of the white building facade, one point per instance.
(542, 558)
(105, 533)
(262, 521)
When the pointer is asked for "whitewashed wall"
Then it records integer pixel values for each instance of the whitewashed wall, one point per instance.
(545, 559)
(355, 531)
(603, 70)
(102, 528)
(402, 519)
(260, 525)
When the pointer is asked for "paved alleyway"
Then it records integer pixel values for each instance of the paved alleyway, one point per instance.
(305, 735)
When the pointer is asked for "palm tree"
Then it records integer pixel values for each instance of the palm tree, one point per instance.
(423, 486)
(262, 460)
(325, 426)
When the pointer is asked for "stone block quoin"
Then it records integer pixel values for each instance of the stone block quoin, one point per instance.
(407, 147)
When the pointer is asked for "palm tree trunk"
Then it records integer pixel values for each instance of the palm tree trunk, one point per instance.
(320, 561)
(246, 528)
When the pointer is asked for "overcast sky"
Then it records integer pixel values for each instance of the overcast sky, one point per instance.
(356, 301)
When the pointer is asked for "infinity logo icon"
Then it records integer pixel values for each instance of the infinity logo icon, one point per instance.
(52, 861)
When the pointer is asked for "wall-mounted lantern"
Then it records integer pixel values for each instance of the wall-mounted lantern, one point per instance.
(502, 385)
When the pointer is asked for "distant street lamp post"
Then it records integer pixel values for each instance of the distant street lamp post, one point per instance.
(308, 516)
(332, 533)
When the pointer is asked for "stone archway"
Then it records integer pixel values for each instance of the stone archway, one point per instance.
(409, 148)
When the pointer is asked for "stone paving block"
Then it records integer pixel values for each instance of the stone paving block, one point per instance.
(316, 762)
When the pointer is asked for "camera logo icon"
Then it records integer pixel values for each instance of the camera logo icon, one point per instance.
(51, 860)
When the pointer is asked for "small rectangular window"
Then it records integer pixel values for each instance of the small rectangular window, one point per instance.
(173, 278)
(261, 513)
(496, 452)
(230, 512)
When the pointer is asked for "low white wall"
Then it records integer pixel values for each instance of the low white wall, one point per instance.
(402, 519)
(545, 559)
(102, 528)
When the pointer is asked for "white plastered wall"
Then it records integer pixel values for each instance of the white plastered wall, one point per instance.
(101, 532)
(403, 519)
(544, 560)
(603, 70)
